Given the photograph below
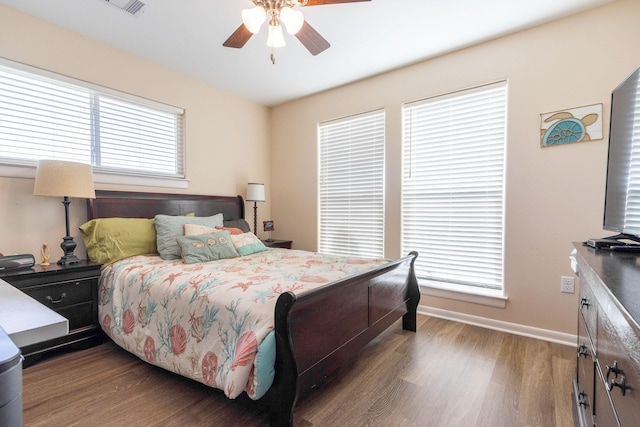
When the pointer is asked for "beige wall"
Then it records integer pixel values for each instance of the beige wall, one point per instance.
(218, 126)
(554, 196)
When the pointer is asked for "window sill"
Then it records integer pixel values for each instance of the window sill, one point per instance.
(102, 178)
(480, 296)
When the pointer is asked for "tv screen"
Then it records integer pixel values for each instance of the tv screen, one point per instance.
(622, 197)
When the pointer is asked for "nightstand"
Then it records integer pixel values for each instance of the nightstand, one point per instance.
(71, 291)
(286, 244)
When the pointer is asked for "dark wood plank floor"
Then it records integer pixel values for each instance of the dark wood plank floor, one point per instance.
(447, 374)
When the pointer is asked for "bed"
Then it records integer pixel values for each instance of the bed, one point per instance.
(356, 307)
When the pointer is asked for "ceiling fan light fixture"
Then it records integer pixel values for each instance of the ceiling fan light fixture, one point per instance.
(292, 20)
(253, 18)
(276, 38)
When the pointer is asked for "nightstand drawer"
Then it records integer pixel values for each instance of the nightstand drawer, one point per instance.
(79, 315)
(59, 295)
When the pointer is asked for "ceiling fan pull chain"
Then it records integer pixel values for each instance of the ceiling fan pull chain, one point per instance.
(273, 57)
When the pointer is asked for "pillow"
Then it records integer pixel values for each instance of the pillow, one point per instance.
(111, 239)
(247, 244)
(168, 228)
(231, 230)
(206, 247)
(238, 223)
(191, 229)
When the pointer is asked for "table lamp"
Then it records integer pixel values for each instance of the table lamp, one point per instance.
(59, 178)
(255, 193)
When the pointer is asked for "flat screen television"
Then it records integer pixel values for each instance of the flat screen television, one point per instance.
(622, 196)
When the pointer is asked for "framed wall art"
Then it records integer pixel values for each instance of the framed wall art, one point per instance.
(571, 125)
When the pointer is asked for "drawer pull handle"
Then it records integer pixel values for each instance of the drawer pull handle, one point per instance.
(56, 301)
(614, 368)
(584, 303)
(582, 350)
(582, 399)
(622, 384)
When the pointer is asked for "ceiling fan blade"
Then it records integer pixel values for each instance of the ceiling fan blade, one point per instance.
(322, 2)
(311, 39)
(238, 38)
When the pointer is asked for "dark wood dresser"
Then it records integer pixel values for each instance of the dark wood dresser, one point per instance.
(606, 391)
(71, 291)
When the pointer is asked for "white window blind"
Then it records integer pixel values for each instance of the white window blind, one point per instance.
(46, 116)
(453, 186)
(351, 186)
(632, 209)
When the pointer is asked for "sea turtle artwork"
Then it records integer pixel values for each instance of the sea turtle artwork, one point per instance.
(567, 128)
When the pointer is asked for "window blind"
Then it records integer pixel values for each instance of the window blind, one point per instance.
(351, 186)
(632, 209)
(45, 116)
(453, 185)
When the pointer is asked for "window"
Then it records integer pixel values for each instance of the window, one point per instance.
(43, 115)
(453, 187)
(351, 186)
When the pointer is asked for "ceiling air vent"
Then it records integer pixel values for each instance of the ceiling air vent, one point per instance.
(132, 7)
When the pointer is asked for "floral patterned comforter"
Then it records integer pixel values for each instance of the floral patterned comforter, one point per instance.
(207, 321)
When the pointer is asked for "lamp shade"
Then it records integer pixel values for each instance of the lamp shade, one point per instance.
(292, 19)
(276, 38)
(253, 18)
(59, 178)
(255, 192)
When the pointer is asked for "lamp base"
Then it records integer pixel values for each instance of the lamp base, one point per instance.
(68, 246)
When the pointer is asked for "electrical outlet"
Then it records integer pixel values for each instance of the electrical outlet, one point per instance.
(566, 284)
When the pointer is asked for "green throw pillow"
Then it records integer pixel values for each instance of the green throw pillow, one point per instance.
(111, 239)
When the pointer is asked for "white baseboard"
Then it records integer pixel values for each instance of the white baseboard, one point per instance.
(499, 325)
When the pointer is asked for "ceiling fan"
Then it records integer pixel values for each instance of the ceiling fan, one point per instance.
(281, 12)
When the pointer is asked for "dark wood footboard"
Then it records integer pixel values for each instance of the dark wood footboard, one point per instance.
(321, 331)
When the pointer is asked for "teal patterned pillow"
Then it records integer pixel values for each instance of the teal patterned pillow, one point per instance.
(206, 247)
(247, 244)
(169, 227)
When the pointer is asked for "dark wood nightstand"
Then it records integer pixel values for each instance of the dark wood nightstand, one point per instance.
(286, 244)
(71, 291)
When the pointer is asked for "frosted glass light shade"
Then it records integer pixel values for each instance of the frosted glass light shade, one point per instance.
(292, 20)
(59, 178)
(255, 192)
(276, 38)
(253, 18)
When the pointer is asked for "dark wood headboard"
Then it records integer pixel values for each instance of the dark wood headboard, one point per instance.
(127, 204)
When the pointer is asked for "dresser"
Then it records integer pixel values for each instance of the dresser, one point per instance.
(72, 292)
(606, 390)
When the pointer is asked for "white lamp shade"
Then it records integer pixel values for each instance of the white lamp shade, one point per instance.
(276, 38)
(292, 20)
(253, 18)
(255, 192)
(59, 178)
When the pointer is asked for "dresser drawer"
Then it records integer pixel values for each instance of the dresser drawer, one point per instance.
(59, 295)
(589, 310)
(585, 373)
(618, 358)
(605, 415)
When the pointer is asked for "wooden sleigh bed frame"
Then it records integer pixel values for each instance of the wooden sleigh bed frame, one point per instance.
(356, 309)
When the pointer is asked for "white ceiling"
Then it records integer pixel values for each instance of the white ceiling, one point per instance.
(367, 38)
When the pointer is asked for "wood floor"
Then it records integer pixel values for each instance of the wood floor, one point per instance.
(447, 374)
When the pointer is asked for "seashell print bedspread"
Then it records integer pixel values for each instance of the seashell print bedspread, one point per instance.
(212, 322)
